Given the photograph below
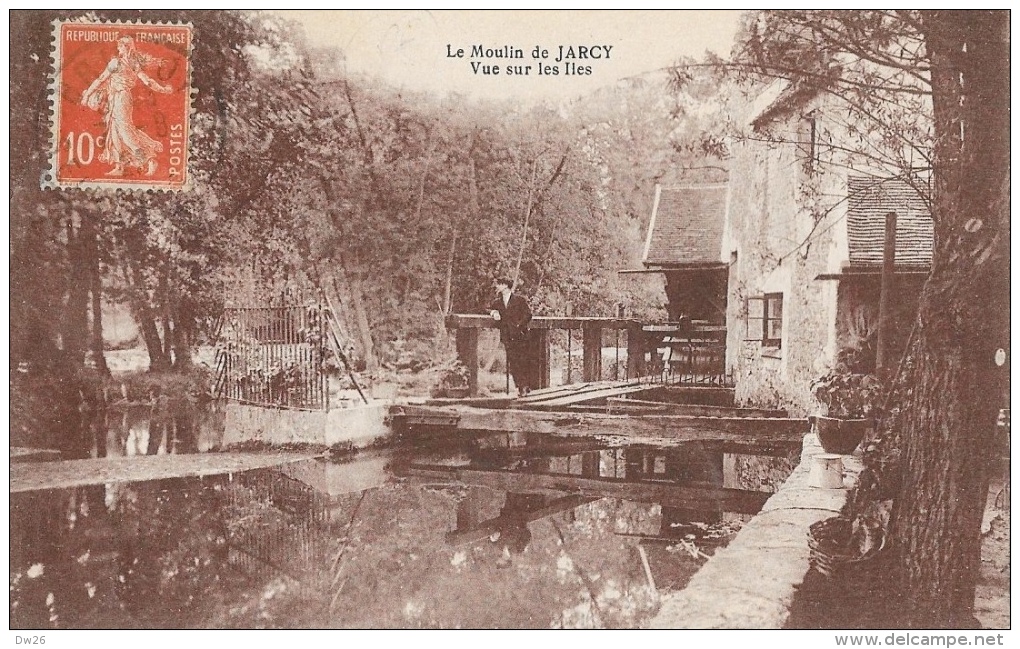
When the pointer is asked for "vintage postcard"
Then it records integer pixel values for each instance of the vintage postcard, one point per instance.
(585, 319)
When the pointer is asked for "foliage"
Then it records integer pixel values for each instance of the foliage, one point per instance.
(310, 180)
(45, 407)
(847, 394)
(454, 376)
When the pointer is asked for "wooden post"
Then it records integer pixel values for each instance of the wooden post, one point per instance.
(635, 352)
(467, 353)
(882, 360)
(592, 334)
(543, 366)
(590, 464)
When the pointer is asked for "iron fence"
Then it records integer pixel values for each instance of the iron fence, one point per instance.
(689, 358)
(696, 362)
(274, 356)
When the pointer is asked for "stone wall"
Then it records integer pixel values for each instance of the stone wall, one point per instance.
(777, 204)
(360, 425)
(751, 583)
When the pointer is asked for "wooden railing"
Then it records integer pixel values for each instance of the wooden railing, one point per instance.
(467, 327)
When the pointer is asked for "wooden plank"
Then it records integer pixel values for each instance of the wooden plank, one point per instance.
(699, 496)
(658, 539)
(34, 476)
(485, 529)
(586, 396)
(560, 390)
(673, 427)
(477, 402)
(699, 394)
(695, 409)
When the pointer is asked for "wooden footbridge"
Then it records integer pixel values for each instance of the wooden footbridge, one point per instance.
(689, 353)
(639, 405)
(632, 410)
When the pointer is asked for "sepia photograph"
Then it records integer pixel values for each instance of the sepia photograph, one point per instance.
(510, 319)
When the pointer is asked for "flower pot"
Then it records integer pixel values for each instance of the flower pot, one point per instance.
(840, 435)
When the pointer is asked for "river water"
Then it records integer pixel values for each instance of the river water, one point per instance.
(489, 531)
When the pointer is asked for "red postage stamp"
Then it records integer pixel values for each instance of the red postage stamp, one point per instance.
(122, 98)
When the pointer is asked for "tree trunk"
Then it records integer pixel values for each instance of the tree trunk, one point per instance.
(364, 328)
(350, 292)
(163, 297)
(98, 352)
(182, 341)
(447, 305)
(96, 290)
(952, 388)
(75, 321)
(158, 361)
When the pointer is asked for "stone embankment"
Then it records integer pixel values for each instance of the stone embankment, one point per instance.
(751, 583)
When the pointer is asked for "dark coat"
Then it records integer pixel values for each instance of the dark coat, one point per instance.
(514, 318)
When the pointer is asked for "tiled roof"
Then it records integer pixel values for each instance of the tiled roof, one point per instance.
(687, 225)
(869, 200)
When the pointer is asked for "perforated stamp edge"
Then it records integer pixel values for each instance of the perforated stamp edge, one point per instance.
(49, 178)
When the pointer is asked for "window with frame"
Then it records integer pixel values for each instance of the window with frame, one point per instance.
(765, 319)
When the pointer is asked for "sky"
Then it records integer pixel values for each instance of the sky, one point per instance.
(417, 49)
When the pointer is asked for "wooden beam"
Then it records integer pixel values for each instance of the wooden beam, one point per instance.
(886, 297)
(700, 394)
(672, 427)
(473, 321)
(636, 347)
(540, 447)
(695, 409)
(592, 339)
(742, 501)
(477, 402)
(562, 390)
(467, 353)
(543, 357)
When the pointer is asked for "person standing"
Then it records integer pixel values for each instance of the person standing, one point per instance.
(514, 315)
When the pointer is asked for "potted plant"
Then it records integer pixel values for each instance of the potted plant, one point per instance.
(453, 381)
(850, 399)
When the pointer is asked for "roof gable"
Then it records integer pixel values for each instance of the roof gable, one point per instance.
(687, 225)
(868, 201)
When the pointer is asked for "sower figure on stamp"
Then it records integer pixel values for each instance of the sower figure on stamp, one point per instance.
(514, 315)
(111, 93)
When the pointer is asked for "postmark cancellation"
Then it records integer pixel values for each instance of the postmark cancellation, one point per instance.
(121, 101)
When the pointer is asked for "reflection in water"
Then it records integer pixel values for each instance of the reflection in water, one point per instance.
(151, 428)
(499, 532)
